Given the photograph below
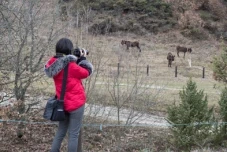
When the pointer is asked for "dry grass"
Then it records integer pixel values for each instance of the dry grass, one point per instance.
(154, 54)
(107, 52)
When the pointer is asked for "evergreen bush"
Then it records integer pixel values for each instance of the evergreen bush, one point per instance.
(191, 118)
(219, 69)
(220, 66)
(223, 111)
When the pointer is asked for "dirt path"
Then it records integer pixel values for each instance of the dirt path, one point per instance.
(126, 116)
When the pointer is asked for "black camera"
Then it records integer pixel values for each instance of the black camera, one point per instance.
(76, 51)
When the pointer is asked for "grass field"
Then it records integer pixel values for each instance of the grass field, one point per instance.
(113, 62)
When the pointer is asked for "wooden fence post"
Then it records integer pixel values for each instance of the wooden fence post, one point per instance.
(203, 72)
(147, 70)
(176, 71)
(118, 68)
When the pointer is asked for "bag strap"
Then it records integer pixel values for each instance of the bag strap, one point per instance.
(64, 80)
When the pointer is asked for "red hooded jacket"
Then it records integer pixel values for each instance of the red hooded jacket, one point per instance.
(75, 96)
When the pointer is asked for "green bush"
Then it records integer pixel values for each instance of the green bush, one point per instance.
(220, 133)
(119, 4)
(195, 33)
(140, 3)
(206, 15)
(191, 118)
(157, 7)
(220, 66)
(223, 111)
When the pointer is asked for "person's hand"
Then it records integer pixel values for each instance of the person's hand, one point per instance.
(83, 52)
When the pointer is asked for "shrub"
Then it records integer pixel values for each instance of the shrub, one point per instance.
(223, 110)
(190, 117)
(195, 33)
(220, 66)
(206, 15)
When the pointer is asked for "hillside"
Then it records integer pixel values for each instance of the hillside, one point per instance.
(193, 19)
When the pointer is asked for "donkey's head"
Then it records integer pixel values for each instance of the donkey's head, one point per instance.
(190, 50)
(123, 42)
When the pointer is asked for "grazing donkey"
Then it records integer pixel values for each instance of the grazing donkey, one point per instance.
(131, 44)
(183, 49)
(170, 58)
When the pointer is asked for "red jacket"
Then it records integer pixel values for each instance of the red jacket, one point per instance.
(75, 94)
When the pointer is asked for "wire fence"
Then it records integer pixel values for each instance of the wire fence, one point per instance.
(154, 71)
(120, 125)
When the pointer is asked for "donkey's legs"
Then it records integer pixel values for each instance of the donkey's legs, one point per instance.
(139, 48)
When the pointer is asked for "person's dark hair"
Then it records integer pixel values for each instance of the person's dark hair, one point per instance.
(64, 46)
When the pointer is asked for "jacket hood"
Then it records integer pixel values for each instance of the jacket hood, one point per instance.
(55, 65)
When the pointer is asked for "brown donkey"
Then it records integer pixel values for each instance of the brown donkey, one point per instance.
(170, 58)
(131, 44)
(183, 49)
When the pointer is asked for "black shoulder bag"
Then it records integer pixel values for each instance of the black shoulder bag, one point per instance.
(54, 109)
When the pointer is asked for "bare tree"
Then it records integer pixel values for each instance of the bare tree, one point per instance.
(129, 91)
(28, 31)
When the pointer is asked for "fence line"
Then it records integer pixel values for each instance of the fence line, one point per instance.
(119, 125)
(176, 67)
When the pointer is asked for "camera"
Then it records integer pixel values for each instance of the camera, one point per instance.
(77, 52)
